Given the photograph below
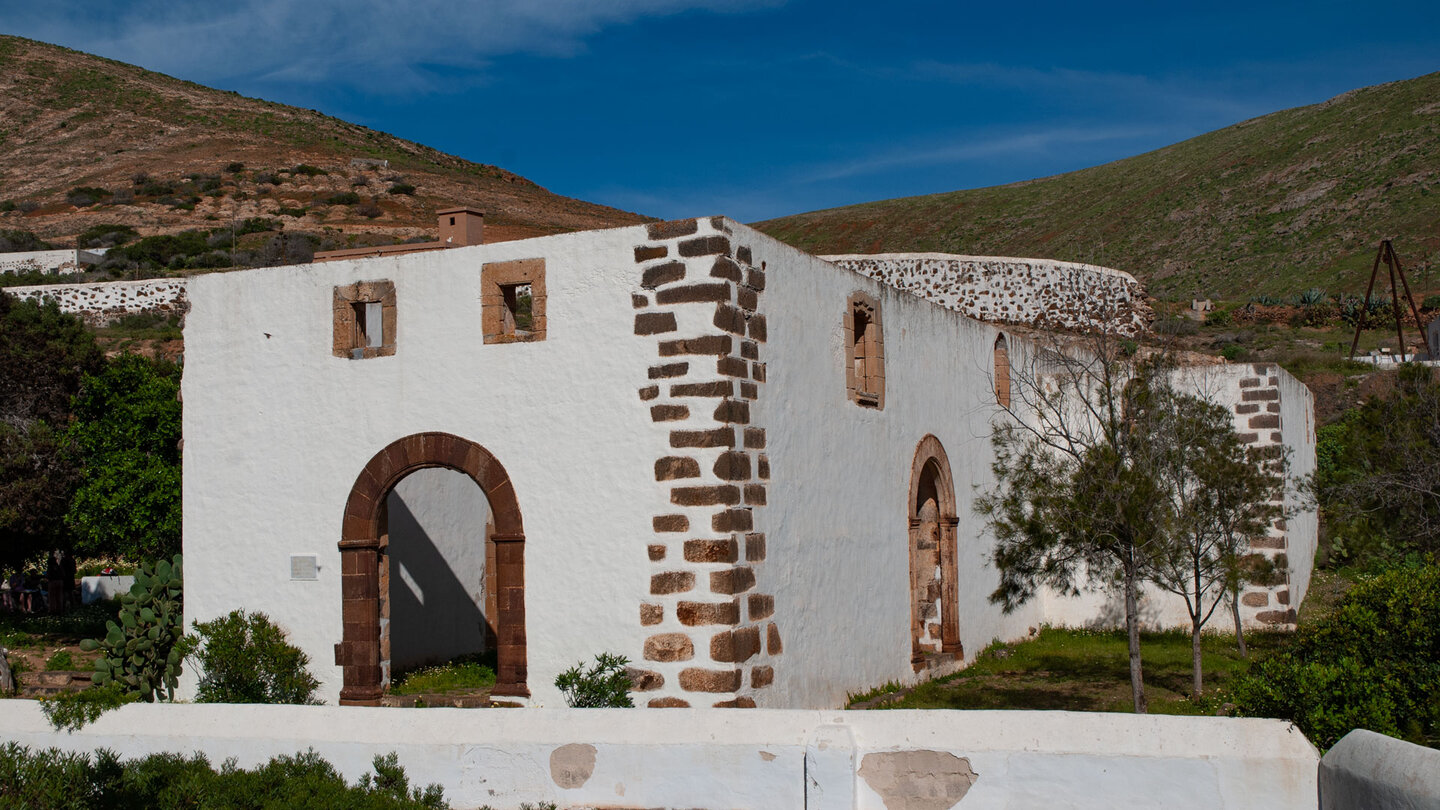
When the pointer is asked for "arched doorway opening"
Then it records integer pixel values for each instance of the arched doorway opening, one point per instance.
(934, 592)
(364, 539)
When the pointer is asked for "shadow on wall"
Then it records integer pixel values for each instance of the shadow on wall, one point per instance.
(437, 569)
(1112, 613)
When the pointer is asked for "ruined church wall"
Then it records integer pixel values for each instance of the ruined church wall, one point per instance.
(277, 429)
(841, 476)
(1041, 293)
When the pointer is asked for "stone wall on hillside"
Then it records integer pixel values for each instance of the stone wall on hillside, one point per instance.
(103, 302)
(1042, 293)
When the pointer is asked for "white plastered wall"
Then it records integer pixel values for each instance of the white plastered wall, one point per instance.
(837, 522)
(277, 429)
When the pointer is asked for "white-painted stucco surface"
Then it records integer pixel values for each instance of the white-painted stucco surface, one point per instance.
(721, 760)
(49, 262)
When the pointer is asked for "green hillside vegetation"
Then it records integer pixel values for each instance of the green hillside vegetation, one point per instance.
(1275, 205)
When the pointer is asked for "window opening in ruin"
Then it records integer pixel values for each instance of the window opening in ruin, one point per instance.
(369, 327)
(934, 588)
(865, 355)
(519, 308)
(1002, 372)
(364, 320)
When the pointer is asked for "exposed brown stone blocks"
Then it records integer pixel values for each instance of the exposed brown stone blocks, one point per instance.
(693, 293)
(731, 366)
(761, 677)
(667, 371)
(497, 321)
(758, 329)
(1250, 382)
(669, 647)
(1244, 408)
(644, 680)
(655, 323)
(656, 551)
(667, 273)
(639, 301)
(694, 679)
(755, 547)
(763, 466)
(1283, 597)
(695, 614)
(668, 413)
(748, 390)
(749, 350)
(743, 254)
(747, 299)
(735, 646)
(755, 494)
(754, 438)
(772, 640)
(732, 580)
(761, 606)
(733, 411)
(1265, 420)
(705, 496)
(670, 523)
(732, 520)
(672, 582)
(649, 392)
(1276, 616)
(730, 319)
(726, 268)
(740, 702)
(651, 614)
(718, 437)
(704, 246)
(644, 253)
(732, 465)
(668, 703)
(755, 279)
(672, 229)
(1255, 599)
(711, 551)
(709, 344)
(757, 372)
(1263, 395)
(670, 468)
(714, 388)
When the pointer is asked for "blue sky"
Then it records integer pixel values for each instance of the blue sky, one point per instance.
(760, 108)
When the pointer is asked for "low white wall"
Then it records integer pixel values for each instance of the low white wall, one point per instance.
(754, 759)
(50, 262)
(103, 301)
(95, 589)
(1043, 293)
(1368, 770)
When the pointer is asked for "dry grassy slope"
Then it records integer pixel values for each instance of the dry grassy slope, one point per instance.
(1277, 204)
(70, 119)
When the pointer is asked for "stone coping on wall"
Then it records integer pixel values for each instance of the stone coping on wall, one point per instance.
(707, 758)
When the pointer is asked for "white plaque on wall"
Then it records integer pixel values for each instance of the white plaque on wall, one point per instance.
(303, 566)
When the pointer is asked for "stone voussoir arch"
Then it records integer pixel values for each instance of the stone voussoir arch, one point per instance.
(361, 538)
(930, 455)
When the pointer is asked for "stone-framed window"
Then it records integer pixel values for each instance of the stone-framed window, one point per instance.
(1002, 372)
(512, 301)
(364, 320)
(864, 352)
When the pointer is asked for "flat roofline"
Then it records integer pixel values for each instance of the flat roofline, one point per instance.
(461, 210)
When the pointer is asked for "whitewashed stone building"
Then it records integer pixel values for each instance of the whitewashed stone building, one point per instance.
(747, 469)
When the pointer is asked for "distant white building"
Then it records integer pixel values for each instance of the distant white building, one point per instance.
(49, 262)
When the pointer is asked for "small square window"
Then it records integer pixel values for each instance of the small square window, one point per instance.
(364, 320)
(512, 301)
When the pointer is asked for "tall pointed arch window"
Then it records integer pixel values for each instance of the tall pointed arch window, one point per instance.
(1002, 372)
(864, 352)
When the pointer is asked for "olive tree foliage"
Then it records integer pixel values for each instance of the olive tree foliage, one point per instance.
(1074, 504)
(1219, 493)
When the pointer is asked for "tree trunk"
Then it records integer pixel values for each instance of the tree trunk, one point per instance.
(7, 679)
(1239, 628)
(1132, 627)
(1197, 668)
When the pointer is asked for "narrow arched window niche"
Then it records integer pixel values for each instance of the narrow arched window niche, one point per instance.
(1002, 372)
(864, 352)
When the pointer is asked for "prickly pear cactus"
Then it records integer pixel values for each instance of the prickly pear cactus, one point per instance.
(138, 653)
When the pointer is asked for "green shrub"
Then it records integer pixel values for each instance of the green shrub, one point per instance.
(234, 168)
(308, 170)
(1233, 352)
(605, 685)
(1220, 317)
(152, 188)
(61, 661)
(290, 212)
(83, 196)
(7, 206)
(106, 236)
(402, 188)
(243, 658)
(1373, 663)
(72, 711)
(52, 779)
(343, 198)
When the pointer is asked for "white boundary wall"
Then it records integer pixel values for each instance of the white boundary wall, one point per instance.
(50, 262)
(879, 760)
(103, 301)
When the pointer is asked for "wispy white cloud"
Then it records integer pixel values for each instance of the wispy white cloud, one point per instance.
(355, 42)
(963, 149)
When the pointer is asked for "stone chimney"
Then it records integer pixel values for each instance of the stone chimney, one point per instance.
(461, 226)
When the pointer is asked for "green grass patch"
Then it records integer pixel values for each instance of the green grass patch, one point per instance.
(36, 630)
(469, 672)
(1089, 671)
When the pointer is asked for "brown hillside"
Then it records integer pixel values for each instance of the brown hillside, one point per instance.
(160, 147)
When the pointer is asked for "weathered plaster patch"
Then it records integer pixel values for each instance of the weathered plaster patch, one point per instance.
(767, 756)
(918, 780)
(572, 765)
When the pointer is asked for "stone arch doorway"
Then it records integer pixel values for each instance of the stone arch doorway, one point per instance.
(934, 592)
(362, 535)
